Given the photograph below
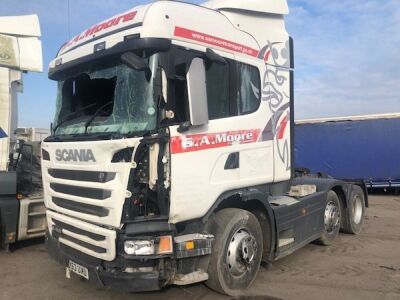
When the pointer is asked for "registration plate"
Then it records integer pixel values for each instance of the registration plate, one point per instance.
(78, 269)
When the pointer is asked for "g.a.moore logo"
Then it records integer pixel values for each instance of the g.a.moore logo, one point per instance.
(85, 155)
(197, 142)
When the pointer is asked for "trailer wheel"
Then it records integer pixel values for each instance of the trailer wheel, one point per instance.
(331, 219)
(353, 218)
(236, 253)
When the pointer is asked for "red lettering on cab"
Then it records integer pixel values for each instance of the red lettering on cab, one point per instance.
(102, 26)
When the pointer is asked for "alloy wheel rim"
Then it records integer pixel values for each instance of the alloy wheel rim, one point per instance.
(332, 217)
(357, 210)
(241, 253)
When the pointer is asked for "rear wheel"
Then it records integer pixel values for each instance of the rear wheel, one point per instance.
(236, 253)
(331, 219)
(353, 219)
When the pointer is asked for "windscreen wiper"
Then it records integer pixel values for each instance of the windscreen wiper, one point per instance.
(97, 112)
(70, 115)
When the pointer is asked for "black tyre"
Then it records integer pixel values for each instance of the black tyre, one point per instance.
(353, 216)
(236, 253)
(331, 219)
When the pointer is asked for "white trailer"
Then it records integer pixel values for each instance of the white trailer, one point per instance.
(32, 134)
(21, 216)
(170, 159)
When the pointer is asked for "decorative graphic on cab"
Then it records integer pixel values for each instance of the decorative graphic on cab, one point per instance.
(196, 142)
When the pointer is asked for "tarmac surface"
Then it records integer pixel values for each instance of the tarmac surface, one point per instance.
(366, 266)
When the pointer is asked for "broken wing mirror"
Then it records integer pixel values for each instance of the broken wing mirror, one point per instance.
(197, 92)
(135, 62)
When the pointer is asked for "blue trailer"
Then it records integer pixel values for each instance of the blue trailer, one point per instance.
(364, 147)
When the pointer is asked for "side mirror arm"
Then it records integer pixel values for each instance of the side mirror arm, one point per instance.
(184, 127)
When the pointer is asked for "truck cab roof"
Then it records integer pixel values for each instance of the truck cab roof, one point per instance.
(270, 7)
(221, 25)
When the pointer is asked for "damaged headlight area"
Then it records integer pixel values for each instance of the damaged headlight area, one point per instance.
(160, 245)
(139, 247)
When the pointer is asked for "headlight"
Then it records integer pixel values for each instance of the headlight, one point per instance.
(160, 245)
(139, 247)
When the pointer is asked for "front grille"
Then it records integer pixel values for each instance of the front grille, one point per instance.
(93, 236)
(94, 248)
(81, 207)
(94, 192)
(79, 191)
(90, 176)
(85, 237)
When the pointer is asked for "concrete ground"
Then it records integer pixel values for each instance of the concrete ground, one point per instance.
(355, 267)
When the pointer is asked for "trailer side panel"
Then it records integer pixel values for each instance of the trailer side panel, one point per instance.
(355, 149)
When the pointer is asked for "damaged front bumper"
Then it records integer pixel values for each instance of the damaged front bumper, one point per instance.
(186, 265)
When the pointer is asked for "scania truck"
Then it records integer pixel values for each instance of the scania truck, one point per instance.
(171, 154)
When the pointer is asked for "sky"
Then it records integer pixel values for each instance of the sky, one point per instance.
(347, 59)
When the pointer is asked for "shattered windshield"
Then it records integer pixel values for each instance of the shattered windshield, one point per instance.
(106, 98)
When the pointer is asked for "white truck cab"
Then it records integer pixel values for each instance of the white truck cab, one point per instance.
(22, 211)
(170, 159)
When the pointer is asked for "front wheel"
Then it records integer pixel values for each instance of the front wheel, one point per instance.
(331, 219)
(236, 253)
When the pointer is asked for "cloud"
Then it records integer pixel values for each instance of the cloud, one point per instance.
(346, 56)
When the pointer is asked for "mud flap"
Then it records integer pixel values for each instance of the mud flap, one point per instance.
(9, 207)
